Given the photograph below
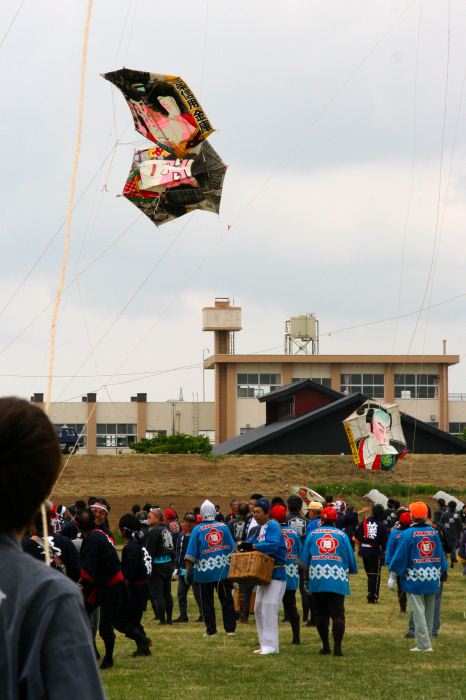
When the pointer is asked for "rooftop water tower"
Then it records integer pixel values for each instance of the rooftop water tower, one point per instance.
(224, 320)
(302, 335)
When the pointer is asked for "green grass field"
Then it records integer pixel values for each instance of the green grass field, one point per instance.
(377, 664)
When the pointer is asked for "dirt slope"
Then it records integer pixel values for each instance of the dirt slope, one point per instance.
(188, 479)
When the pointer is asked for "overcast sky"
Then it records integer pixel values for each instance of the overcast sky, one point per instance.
(343, 125)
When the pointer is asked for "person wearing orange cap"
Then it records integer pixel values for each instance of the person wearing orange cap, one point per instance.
(328, 554)
(420, 562)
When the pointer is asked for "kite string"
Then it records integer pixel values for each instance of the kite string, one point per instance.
(66, 246)
(69, 215)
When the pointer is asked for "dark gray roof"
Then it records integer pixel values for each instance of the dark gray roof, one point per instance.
(294, 387)
(256, 436)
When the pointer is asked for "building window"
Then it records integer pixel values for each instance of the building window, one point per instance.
(371, 385)
(456, 428)
(416, 386)
(152, 434)
(114, 435)
(325, 381)
(250, 386)
(208, 434)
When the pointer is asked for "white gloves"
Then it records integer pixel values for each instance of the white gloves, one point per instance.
(392, 580)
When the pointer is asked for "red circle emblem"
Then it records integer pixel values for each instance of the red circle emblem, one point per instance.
(426, 547)
(288, 542)
(327, 544)
(214, 537)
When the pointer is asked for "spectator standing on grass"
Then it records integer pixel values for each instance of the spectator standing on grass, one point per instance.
(293, 546)
(299, 523)
(189, 523)
(45, 643)
(329, 558)
(234, 504)
(136, 566)
(403, 522)
(159, 544)
(208, 564)
(64, 556)
(268, 539)
(442, 507)
(420, 562)
(104, 586)
(451, 520)
(372, 536)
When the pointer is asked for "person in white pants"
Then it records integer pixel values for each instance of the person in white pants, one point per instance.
(268, 539)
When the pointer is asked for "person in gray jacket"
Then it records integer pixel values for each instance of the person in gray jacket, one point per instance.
(45, 639)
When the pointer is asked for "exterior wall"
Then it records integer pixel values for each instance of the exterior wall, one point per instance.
(421, 408)
(116, 412)
(248, 412)
(457, 411)
(68, 412)
(311, 371)
(309, 400)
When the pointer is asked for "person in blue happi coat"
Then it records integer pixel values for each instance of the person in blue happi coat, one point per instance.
(207, 562)
(293, 546)
(328, 554)
(268, 539)
(420, 562)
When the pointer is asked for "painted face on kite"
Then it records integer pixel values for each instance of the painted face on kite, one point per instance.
(381, 423)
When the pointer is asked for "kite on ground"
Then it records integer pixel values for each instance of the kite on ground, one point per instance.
(376, 437)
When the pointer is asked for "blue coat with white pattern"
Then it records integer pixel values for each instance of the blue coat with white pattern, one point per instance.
(419, 560)
(293, 546)
(210, 547)
(328, 553)
(269, 540)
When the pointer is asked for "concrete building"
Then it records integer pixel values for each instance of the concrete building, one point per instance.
(418, 383)
(111, 427)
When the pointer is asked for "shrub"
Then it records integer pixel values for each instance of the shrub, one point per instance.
(179, 443)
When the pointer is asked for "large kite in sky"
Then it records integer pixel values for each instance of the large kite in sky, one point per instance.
(182, 172)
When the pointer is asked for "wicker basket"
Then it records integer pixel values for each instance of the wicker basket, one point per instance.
(251, 567)
(237, 601)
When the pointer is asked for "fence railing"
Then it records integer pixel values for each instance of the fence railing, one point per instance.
(457, 397)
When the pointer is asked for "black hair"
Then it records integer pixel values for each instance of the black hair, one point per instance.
(391, 504)
(441, 502)
(256, 496)
(277, 501)
(80, 505)
(196, 510)
(135, 509)
(30, 459)
(85, 520)
(452, 505)
(294, 503)
(378, 511)
(396, 504)
(190, 516)
(328, 499)
(147, 507)
(38, 523)
(129, 523)
(91, 500)
(243, 508)
(104, 501)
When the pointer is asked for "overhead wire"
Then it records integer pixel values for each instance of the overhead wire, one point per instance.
(10, 26)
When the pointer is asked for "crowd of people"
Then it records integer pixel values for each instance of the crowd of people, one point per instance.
(315, 549)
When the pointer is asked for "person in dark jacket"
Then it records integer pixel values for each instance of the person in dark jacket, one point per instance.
(296, 520)
(136, 566)
(45, 642)
(451, 520)
(372, 536)
(64, 555)
(159, 544)
(442, 507)
(103, 585)
(189, 523)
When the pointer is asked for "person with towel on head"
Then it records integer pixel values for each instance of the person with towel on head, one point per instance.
(268, 539)
(207, 562)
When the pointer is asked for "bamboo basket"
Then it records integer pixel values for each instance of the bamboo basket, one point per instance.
(237, 601)
(251, 567)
